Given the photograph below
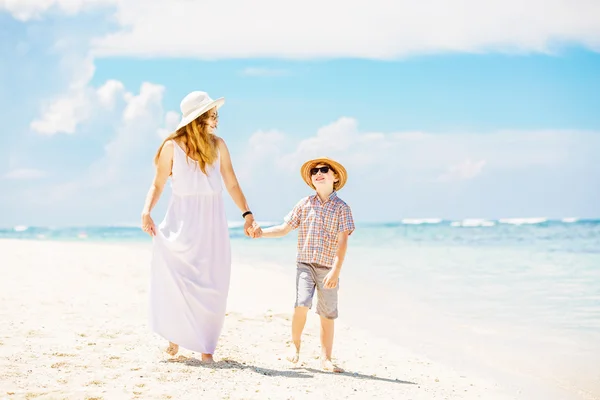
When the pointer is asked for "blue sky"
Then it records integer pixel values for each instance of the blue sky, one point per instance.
(467, 120)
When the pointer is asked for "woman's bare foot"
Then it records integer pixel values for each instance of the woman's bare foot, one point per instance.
(207, 358)
(329, 366)
(294, 357)
(172, 349)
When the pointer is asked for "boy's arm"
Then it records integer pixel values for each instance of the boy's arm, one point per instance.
(340, 253)
(292, 221)
(345, 229)
(276, 231)
(331, 279)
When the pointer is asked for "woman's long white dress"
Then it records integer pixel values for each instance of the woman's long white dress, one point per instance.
(191, 260)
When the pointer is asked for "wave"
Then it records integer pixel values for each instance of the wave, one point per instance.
(430, 224)
(522, 221)
(473, 222)
(419, 221)
(569, 220)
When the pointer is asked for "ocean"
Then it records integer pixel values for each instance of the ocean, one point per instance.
(520, 297)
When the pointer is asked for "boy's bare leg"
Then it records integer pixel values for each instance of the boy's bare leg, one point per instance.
(172, 349)
(298, 322)
(327, 330)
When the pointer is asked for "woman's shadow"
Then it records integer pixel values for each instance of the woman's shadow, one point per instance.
(227, 363)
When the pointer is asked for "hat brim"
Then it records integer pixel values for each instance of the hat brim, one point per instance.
(189, 118)
(338, 169)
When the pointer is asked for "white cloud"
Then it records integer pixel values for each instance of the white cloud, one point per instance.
(126, 154)
(138, 107)
(171, 121)
(140, 119)
(25, 174)
(380, 29)
(264, 72)
(425, 157)
(65, 112)
(81, 101)
(263, 149)
(338, 139)
(463, 171)
(109, 93)
(132, 118)
(25, 10)
(415, 174)
(265, 143)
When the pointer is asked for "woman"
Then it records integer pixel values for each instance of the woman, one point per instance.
(191, 260)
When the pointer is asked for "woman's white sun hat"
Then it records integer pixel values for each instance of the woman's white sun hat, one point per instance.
(195, 104)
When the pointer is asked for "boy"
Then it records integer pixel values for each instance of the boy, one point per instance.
(325, 223)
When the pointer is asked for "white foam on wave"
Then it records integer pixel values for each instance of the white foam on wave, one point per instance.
(522, 221)
(569, 220)
(20, 228)
(471, 222)
(420, 221)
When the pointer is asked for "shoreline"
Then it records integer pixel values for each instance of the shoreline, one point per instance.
(81, 309)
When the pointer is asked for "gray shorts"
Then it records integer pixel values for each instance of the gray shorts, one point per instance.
(309, 277)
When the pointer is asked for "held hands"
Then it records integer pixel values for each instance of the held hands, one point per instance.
(252, 229)
(148, 224)
(331, 279)
(256, 231)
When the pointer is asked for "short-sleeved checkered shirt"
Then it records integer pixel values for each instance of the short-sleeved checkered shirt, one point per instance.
(320, 223)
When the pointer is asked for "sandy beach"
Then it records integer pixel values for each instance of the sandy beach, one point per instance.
(74, 326)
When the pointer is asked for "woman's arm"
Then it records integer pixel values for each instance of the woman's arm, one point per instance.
(233, 187)
(163, 170)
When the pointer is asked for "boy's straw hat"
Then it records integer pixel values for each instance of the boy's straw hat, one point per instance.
(336, 166)
(195, 104)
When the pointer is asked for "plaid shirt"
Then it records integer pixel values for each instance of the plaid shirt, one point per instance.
(319, 225)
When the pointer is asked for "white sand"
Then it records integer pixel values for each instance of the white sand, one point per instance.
(73, 326)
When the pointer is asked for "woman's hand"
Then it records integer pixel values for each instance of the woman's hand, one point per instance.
(148, 224)
(251, 228)
(256, 231)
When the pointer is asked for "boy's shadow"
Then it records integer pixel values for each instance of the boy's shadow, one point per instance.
(357, 375)
(297, 372)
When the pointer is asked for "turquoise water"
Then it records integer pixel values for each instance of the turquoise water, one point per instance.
(541, 270)
(571, 235)
(520, 292)
(544, 270)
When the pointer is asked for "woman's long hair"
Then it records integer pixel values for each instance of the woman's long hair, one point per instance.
(200, 145)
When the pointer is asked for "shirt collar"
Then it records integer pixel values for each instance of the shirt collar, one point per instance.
(332, 196)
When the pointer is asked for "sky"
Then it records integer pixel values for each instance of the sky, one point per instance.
(437, 109)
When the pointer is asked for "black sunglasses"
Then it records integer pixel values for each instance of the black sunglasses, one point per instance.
(324, 170)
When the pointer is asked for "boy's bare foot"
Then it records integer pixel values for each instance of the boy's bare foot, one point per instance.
(172, 349)
(329, 366)
(207, 358)
(294, 357)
